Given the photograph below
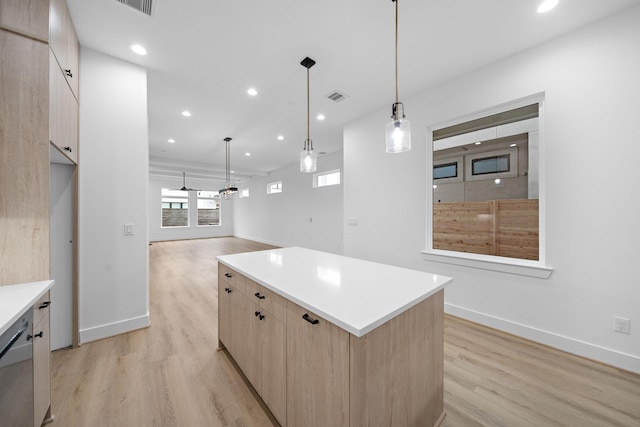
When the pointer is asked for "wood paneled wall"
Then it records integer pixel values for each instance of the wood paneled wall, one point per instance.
(508, 228)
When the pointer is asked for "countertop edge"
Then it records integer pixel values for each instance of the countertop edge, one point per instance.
(28, 298)
(357, 332)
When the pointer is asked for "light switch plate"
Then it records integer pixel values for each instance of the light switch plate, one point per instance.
(128, 230)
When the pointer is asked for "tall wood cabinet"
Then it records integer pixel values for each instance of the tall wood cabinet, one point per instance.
(38, 104)
(63, 81)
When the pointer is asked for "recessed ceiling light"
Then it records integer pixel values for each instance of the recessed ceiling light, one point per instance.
(140, 50)
(547, 5)
(280, 137)
(251, 91)
(247, 154)
(478, 143)
(186, 113)
(513, 145)
(171, 141)
(320, 117)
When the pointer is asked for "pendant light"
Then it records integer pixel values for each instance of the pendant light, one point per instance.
(398, 130)
(308, 158)
(228, 190)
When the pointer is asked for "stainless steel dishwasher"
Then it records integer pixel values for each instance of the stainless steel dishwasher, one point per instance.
(16, 373)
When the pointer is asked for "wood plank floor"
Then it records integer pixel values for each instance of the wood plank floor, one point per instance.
(171, 374)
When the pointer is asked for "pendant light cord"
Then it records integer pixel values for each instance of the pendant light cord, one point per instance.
(396, 2)
(308, 108)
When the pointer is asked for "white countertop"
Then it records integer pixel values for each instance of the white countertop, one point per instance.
(356, 295)
(15, 300)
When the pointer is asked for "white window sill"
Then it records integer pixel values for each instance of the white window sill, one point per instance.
(487, 262)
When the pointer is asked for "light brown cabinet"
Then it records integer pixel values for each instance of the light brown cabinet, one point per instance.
(63, 113)
(254, 336)
(24, 159)
(390, 377)
(318, 370)
(41, 361)
(28, 17)
(64, 43)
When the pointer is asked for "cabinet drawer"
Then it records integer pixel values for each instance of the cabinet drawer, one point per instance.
(267, 299)
(41, 308)
(231, 278)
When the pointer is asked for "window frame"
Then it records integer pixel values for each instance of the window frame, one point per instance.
(187, 198)
(316, 178)
(216, 199)
(279, 187)
(537, 268)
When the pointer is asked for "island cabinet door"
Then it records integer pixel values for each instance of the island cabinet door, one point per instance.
(249, 354)
(317, 370)
(233, 321)
(273, 338)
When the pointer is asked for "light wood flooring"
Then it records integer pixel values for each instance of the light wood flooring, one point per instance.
(170, 374)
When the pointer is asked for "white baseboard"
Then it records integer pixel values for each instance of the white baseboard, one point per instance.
(266, 242)
(604, 355)
(111, 329)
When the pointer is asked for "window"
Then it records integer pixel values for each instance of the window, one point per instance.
(175, 208)
(326, 179)
(274, 187)
(493, 164)
(445, 170)
(485, 186)
(244, 192)
(208, 208)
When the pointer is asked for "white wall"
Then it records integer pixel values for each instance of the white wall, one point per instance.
(283, 219)
(113, 179)
(157, 233)
(590, 79)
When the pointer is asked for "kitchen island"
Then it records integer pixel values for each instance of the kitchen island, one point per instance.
(330, 340)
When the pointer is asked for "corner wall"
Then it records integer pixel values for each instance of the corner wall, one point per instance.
(590, 79)
(283, 219)
(113, 178)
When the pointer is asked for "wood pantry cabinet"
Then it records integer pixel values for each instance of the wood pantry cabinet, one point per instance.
(63, 113)
(63, 81)
(64, 43)
(391, 376)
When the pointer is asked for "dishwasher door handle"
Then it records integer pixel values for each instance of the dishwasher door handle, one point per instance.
(12, 341)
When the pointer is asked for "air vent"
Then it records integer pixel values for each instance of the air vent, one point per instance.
(144, 6)
(336, 96)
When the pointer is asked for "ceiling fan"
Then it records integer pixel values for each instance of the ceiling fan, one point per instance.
(184, 185)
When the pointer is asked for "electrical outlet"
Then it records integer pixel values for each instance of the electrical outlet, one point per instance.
(622, 325)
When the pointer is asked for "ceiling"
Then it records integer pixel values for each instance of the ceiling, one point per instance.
(203, 55)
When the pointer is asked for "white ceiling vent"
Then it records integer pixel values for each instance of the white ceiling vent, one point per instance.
(144, 6)
(336, 96)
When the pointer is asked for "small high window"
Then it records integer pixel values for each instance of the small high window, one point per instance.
(325, 179)
(244, 192)
(274, 187)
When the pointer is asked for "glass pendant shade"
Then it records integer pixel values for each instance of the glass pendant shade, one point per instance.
(308, 158)
(398, 131)
(398, 136)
